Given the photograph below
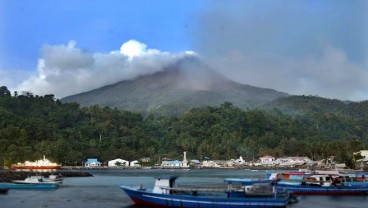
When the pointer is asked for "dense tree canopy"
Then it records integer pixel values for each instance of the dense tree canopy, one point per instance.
(32, 126)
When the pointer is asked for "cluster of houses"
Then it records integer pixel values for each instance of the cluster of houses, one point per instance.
(265, 161)
(93, 162)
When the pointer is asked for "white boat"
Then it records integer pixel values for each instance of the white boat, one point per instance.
(36, 180)
(43, 164)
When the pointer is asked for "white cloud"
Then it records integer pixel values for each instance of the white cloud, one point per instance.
(65, 69)
(133, 48)
(11, 78)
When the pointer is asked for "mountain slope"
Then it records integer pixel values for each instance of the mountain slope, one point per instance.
(184, 85)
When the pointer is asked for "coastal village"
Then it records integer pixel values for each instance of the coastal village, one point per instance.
(267, 161)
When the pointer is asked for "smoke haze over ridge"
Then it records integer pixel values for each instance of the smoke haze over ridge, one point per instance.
(306, 47)
(298, 47)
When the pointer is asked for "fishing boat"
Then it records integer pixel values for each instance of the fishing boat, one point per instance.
(43, 164)
(322, 184)
(302, 188)
(26, 186)
(166, 193)
(39, 179)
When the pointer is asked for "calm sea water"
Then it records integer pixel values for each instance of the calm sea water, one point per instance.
(103, 190)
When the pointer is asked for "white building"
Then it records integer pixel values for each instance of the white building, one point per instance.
(267, 159)
(134, 163)
(171, 163)
(292, 161)
(118, 162)
(363, 153)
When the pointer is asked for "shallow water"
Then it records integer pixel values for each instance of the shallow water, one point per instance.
(103, 190)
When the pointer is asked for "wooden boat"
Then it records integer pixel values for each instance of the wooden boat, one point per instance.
(303, 188)
(166, 194)
(36, 180)
(301, 183)
(24, 186)
(324, 184)
(41, 179)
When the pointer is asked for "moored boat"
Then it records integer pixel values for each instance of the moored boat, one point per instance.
(38, 180)
(43, 164)
(323, 184)
(301, 188)
(166, 194)
(25, 186)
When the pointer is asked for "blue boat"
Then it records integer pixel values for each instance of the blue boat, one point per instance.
(166, 194)
(302, 188)
(42, 186)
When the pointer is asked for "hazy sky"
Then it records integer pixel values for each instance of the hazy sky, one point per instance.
(309, 47)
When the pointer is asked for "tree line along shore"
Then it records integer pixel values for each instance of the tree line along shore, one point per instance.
(32, 126)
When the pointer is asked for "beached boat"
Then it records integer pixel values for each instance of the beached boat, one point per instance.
(43, 164)
(166, 194)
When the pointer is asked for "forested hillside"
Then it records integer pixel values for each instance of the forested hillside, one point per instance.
(32, 126)
(186, 84)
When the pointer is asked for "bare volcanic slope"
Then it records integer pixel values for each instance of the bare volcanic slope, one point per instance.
(186, 84)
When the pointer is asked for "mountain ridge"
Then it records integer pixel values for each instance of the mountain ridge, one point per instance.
(187, 83)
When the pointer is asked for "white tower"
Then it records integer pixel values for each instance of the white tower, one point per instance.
(184, 163)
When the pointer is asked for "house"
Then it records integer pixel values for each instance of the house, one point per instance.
(92, 162)
(118, 162)
(134, 163)
(214, 163)
(362, 163)
(195, 162)
(171, 163)
(267, 159)
(145, 159)
(363, 153)
(209, 163)
(292, 161)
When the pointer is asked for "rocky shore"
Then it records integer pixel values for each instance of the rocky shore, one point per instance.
(9, 176)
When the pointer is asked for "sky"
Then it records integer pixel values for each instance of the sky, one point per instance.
(301, 47)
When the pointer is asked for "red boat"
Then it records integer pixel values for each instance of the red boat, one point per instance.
(43, 164)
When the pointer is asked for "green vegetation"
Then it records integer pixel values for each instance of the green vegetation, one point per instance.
(32, 126)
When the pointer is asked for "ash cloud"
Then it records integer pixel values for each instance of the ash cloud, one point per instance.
(65, 69)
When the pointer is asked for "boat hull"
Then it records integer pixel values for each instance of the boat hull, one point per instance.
(28, 186)
(143, 197)
(24, 167)
(321, 190)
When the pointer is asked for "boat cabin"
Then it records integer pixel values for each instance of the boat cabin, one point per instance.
(163, 184)
(238, 187)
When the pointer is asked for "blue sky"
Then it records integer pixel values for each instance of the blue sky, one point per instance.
(96, 25)
(308, 47)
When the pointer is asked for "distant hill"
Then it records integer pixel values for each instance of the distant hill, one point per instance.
(186, 84)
